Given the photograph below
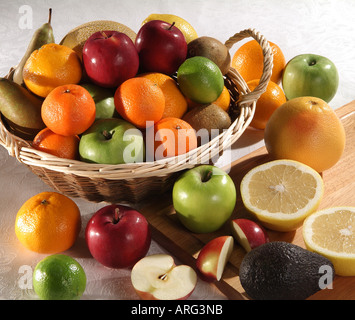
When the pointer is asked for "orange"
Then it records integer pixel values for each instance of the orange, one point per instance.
(61, 146)
(175, 102)
(172, 137)
(48, 222)
(248, 61)
(139, 100)
(268, 102)
(307, 130)
(68, 110)
(223, 101)
(51, 66)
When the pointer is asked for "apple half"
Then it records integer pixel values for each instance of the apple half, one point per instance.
(248, 233)
(156, 277)
(213, 258)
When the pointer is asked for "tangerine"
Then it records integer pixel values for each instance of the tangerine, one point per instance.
(172, 137)
(267, 103)
(223, 101)
(248, 60)
(140, 101)
(61, 146)
(175, 102)
(48, 222)
(51, 66)
(68, 110)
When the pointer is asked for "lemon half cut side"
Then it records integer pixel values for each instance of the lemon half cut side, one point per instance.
(331, 233)
(282, 193)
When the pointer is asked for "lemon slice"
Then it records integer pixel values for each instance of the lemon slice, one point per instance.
(331, 233)
(282, 193)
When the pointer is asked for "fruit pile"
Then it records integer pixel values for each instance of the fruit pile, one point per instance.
(104, 93)
(159, 93)
(108, 95)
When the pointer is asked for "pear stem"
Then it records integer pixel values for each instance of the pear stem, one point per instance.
(50, 16)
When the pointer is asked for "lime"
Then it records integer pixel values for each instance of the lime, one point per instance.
(59, 277)
(200, 79)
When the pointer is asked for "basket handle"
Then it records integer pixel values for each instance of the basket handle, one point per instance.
(268, 64)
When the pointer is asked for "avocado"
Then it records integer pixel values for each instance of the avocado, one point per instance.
(284, 271)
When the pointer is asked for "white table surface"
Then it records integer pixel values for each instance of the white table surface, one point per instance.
(321, 27)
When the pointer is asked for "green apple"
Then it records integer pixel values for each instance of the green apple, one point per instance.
(103, 97)
(112, 141)
(310, 75)
(204, 198)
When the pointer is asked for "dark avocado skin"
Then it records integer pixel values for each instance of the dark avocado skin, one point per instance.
(282, 271)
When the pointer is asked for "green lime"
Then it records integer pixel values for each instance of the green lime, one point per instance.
(59, 277)
(200, 79)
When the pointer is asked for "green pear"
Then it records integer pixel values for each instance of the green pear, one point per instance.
(20, 109)
(42, 36)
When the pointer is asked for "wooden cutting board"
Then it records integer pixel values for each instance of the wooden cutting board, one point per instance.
(339, 190)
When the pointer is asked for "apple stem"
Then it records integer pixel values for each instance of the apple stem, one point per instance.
(117, 217)
(107, 135)
(207, 176)
(171, 25)
(104, 34)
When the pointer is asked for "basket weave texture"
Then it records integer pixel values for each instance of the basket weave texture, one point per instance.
(134, 182)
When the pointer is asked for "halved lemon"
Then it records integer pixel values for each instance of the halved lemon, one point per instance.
(282, 193)
(331, 233)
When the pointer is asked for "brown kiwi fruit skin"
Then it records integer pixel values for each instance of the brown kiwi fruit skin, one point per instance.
(212, 49)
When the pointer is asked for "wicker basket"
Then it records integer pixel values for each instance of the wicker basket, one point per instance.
(134, 182)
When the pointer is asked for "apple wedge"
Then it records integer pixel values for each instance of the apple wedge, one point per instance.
(248, 233)
(156, 277)
(213, 258)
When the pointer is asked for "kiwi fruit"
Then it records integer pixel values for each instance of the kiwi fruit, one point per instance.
(208, 121)
(212, 49)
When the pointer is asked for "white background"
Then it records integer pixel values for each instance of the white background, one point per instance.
(321, 27)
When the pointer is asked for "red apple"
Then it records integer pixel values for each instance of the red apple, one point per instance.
(110, 58)
(213, 258)
(156, 277)
(248, 233)
(161, 47)
(118, 236)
